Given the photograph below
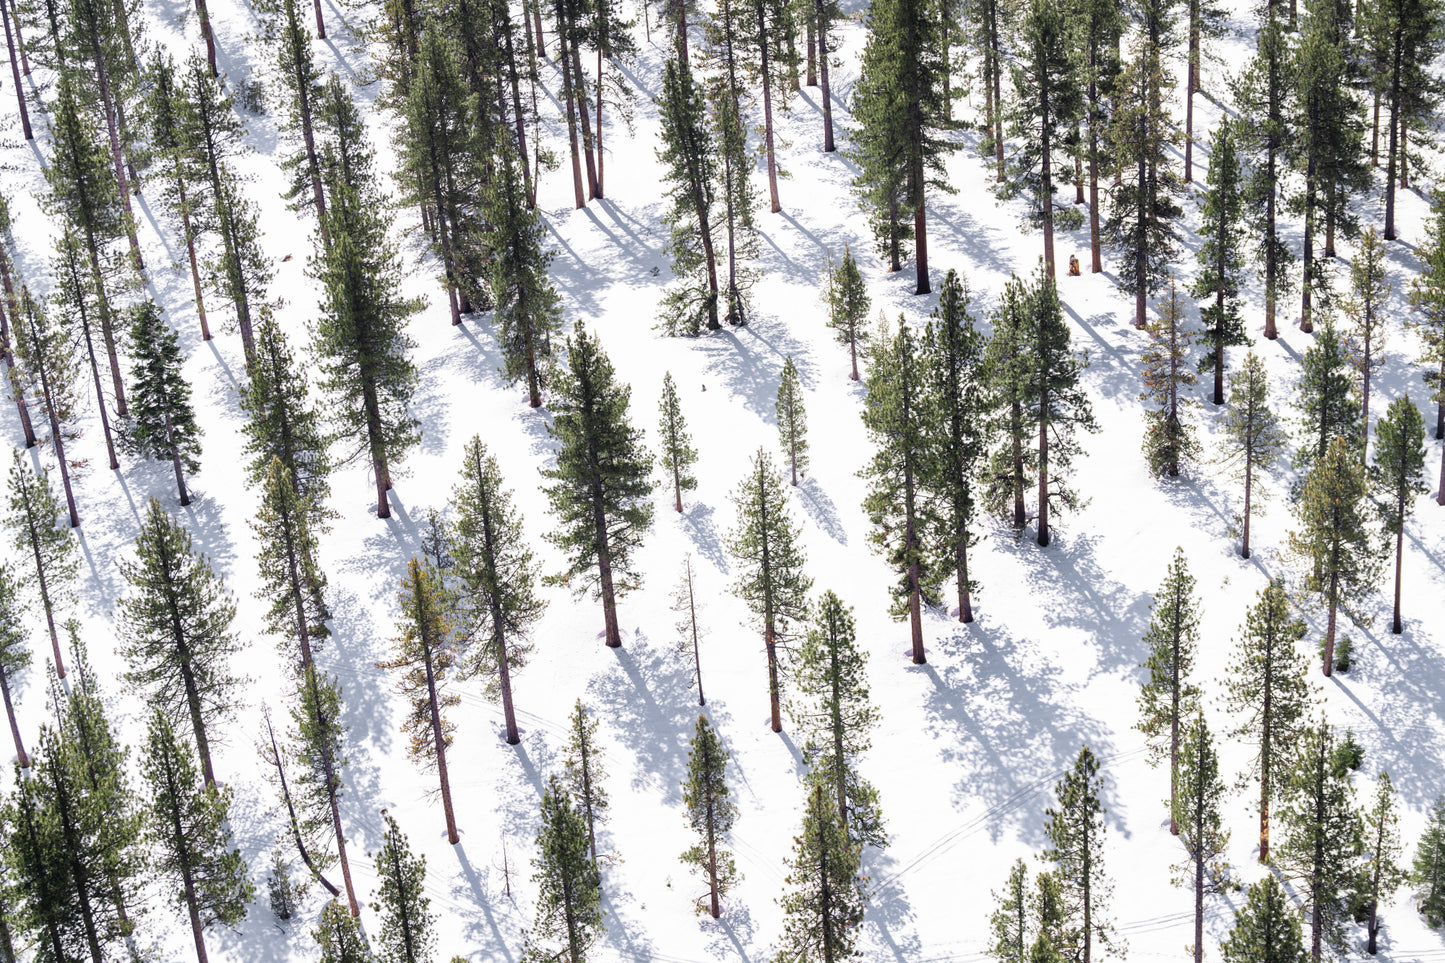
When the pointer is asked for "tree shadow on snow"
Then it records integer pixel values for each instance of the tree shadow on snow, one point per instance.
(482, 928)
(821, 510)
(889, 911)
(697, 521)
(749, 361)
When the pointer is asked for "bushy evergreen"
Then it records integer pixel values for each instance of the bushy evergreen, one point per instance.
(1169, 437)
(689, 154)
(826, 896)
(163, 423)
(1266, 929)
(583, 773)
(407, 921)
(1009, 922)
(1397, 476)
(338, 935)
(291, 582)
(599, 491)
(792, 419)
(846, 296)
(710, 814)
(1370, 289)
(1427, 315)
(1428, 869)
(1252, 439)
(1197, 814)
(569, 910)
(1076, 845)
(1325, 401)
(1221, 255)
(1168, 697)
(1382, 873)
(675, 455)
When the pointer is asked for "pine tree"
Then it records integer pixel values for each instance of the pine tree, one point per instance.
(765, 543)
(1321, 838)
(836, 716)
(584, 773)
(424, 651)
(291, 582)
(524, 303)
(1008, 924)
(406, 918)
(189, 836)
(1049, 103)
(689, 626)
(1100, 25)
(1076, 839)
(1369, 288)
(1382, 852)
(176, 632)
(1266, 929)
(1053, 936)
(1427, 318)
(993, 23)
(899, 106)
(1168, 698)
(339, 936)
(360, 337)
(83, 194)
(675, 456)
(1196, 811)
(163, 424)
(1168, 436)
(897, 416)
(14, 656)
(1325, 401)
(43, 540)
(953, 360)
(282, 892)
(42, 347)
(1142, 225)
(1007, 368)
(1207, 22)
(1397, 476)
(1261, 92)
(736, 193)
(1252, 439)
(569, 911)
(1410, 89)
(317, 744)
(690, 157)
(1266, 684)
(1333, 539)
(827, 897)
(1428, 869)
(792, 419)
(848, 303)
(284, 34)
(499, 607)
(282, 424)
(74, 295)
(710, 814)
(1221, 253)
(600, 487)
(1054, 400)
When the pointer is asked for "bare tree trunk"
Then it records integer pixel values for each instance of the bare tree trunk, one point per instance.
(774, 693)
(568, 94)
(15, 72)
(20, 754)
(1395, 625)
(320, 24)
(1248, 478)
(291, 814)
(820, 14)
(206, 33)
(775, 204)
(580, 79)
(1329, 665)
(920, 231)
(439, 739)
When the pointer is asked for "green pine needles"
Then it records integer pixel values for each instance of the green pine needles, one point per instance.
(710, 814)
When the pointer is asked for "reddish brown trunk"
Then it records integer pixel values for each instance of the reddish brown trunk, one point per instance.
(820, 13)
(15, 72)
(1329, 665)
(920, 235)
(568, 93)
(774, 693)
(207, 35)
(774, 204)
(320, 23)
(1043, 468)
(580, 79)
(440, 743)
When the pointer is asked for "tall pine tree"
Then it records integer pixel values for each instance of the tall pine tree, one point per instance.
(1397, 476)
(1168, 698)
(710, 814)
(163, 423)
(1252, 439)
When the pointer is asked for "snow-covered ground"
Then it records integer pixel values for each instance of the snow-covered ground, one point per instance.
(970, 744)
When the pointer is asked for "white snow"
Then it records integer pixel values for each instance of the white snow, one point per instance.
(970, 744)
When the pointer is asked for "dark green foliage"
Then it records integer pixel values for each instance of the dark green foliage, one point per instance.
(691, 157)
(406, 918)
(524, 303)
(1370, 289)
(187, 828)
(710, 814)
(163, 423)
(1325, 401)
(175, 629)
(291, 582)
(1252, 439)
(1266, 929)
(1006, 368)
(339, 936)
(1049, 103)
(1427, 315)
(1168, 698)
(765, 544)
(835, 718)
(1009, 922)
(1335, 546)
(281, 891)
(1221, 254)
(897, 416)
(498, 604)
(43, 543)
(1383, 874)
(282, 423)
(956, 397)
(14, 655)
(360, 335)
(424, 653)
(1197, 813)
(1076, 844)
(584, 773)
(1169, 437)
(827, 896)
(599, 491)
(901, 115)
(1428, 869)
(792, 419)
(847, 299)
(676, 455)
(1397, 476)
(1320, 842)
(569, 911)
(1266, 684)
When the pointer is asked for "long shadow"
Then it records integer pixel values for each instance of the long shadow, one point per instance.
(1086, 598)
(890, 911)
(748, 360)
(482, 927)
(697, 522)
(653, 702)
(821, 510)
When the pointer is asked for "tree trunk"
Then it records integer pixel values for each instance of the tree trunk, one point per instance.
(1219, 269)
(291, 814)
(1199, 883)
(1392, 149)
(1175, 682)
(1265, 761)
(378, 450)
(774, 701)
(821, 15)
(600, 78)
(568, 93)
(1248, 478)
(209, 37)
(920, 227)
(186, 860)
(692, 621)
(1043, 466)
(20, 754)
(604, 567)
(1271, 331)
(439, 739)
(1141, 277)
(107, 329)
(713, 906)
(499, 632)
(1046, 189)
(812, 78)
(1308, 259)
(580, 79)
(195, 269)
(825, 901)
(1375, 131)
(15, 72)
(320, 24)
(1329, 666)
(123, 188)
(99, 393)
(1191, 84)
(45, 601)
(1095, 248)
(774, 204)
(1017, 419)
